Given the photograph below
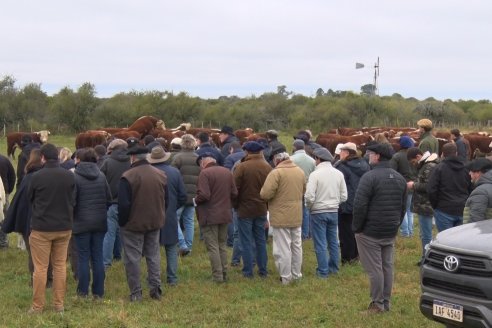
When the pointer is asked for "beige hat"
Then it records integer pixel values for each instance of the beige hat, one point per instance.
(425, 123)
(338, 148)
(158, 155)
(349, 146)
(117, 143)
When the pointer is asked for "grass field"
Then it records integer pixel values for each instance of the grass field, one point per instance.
(339, 301)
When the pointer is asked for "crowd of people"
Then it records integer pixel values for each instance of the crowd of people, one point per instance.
(131, 198)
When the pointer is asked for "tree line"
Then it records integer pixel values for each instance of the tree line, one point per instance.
(29, 108)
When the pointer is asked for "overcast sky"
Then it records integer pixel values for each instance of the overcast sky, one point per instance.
(211, 48)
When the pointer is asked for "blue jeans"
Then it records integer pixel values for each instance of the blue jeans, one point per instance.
(406, 228)
(90, 247)
(230, 235)
(236, 247)
(171, 263)
(445, 221)
(306, 231)
(324, 232)
(110, 237)
(187, 215)
(425, 224)
(253, 230)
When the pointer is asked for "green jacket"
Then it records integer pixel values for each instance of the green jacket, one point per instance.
(420, 201)
(428, 143)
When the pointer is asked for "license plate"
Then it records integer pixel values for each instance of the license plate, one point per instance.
(447, 310)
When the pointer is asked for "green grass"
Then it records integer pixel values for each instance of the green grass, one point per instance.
(339, 301)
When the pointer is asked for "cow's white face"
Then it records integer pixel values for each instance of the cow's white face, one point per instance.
(43, 135)
(160, 125)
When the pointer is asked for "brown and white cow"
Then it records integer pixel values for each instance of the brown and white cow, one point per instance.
(14, 140)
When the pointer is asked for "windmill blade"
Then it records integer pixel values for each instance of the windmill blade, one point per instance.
(359, 65)
(378, 65)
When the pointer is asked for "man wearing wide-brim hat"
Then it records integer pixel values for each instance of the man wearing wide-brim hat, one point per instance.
(427, 141)
(176, 197)
(141, 213)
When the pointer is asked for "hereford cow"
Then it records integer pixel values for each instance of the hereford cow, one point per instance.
(14, 140)
(144, 125)
(330, 141)
(91, 138)
(479, 143)
(126, 134)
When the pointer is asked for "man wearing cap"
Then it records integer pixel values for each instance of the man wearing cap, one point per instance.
(113, 168)
(305, 135)
(448, 188)
(353, 168)
(185, 162)
(249, 176)
(325, 191)
(226, 137)
(307, 164)
(141, 214)
(379, 207)
(284, 190)
(400, 164)
(427, 141)
(216, 191)
(478, 206)
(424, 163)
(176, 197)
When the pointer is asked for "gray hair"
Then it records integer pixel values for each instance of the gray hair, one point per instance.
(280, 157)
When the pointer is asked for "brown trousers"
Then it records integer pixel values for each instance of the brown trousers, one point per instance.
(45, 246)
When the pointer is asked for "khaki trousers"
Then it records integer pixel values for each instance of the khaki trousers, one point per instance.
(46, 246)
(215, 237)
(287, 252)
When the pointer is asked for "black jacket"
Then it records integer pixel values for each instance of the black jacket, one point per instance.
(18, 217)
(380, 202)
(52, 197)
(449, 186)
(92, 198)
(23, 159)
(352, 170)
(113, 168)
(7, 173)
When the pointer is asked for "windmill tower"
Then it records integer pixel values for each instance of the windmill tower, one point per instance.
(376, 76)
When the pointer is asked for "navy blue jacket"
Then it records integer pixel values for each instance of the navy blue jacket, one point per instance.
(92, 199)
(208, 148)
(233, 158)
(352, 170)
(176, 197)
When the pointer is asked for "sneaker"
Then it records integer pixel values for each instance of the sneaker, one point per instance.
(136, 298)
(235, 264)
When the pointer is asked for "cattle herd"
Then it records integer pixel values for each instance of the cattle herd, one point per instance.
(479, 142)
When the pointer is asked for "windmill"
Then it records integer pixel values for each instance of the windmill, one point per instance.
(375, 88)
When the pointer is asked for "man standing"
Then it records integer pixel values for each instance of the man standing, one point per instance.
(353, 168)
(276, 146)
(427, 141)
(399, 163)
(325, 191)
(307, 164)
(185, 162)
(283, 190)
(141, 213)
(250, 175)
(478, 206)
(215, 192)
(424, 163)
(52, 197)
(379, 207)
(226, 137)
(176, 197)
(204, 146)
(462, 145)
(448, 188)
(113, 168)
